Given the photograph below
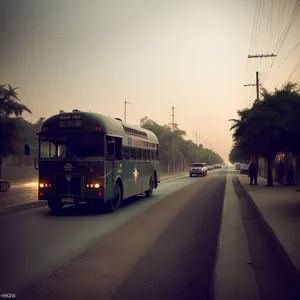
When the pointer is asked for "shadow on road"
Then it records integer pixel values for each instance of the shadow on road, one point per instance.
(88, 209)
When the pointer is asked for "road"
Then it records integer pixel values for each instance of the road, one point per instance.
(36, 243)
(163, 247)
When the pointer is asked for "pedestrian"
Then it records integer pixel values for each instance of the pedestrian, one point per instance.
(281, 172)
(253, 170)
(290, 175)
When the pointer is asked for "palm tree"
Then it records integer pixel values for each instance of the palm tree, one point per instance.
(11, 109)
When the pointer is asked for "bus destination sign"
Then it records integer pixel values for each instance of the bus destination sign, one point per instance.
(70, 117)
(70, 121)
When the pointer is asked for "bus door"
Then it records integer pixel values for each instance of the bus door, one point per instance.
(113, 159)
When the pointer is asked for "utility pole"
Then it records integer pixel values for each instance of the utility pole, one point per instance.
(173, 142)
(196, 137)
(125, 109)
(257, 85)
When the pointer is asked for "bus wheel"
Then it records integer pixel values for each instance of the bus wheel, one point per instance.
(150, 191)
(55, 205)
(115, 203)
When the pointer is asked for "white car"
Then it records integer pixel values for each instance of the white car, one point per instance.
(209, 168)
(198, 169)
(244, 169)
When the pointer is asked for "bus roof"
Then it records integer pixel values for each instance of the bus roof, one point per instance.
(108, 125)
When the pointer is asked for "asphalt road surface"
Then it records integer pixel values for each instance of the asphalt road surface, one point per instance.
(34, 243)
(163, 247)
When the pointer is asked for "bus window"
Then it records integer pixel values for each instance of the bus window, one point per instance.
(86, 145)
(110, 150)
(126, 153)
(148, 155)
(61, 151)
(118, 148)
(47, 149)
(139, 154)
(144, 154)
(152, 155)
(132, 153)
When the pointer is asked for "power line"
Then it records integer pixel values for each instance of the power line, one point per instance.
(293, 71)
(288, 54)
(255, 17)
(279, 22)
(287, 29)
(289, 25)
(283, 59)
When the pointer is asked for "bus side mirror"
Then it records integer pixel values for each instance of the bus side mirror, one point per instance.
(27, 150)
(36, 164)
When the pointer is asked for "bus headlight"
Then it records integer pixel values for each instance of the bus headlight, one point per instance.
(93, 186)
(43, 185)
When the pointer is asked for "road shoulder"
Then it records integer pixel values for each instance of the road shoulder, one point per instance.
(234, 278)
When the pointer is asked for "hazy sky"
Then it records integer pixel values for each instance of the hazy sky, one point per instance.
(93, 55)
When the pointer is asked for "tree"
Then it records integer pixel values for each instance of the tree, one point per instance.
(237, 155)
(11, 110)
(175, 148)
(270, 126)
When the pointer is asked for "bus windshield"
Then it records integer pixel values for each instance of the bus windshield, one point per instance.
(72, 146)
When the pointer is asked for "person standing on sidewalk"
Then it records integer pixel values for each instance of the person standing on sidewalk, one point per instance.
(253, 170)
(281, 172)
(290, 175)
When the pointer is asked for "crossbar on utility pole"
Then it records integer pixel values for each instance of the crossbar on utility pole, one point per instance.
(257, 85)
(261, 55)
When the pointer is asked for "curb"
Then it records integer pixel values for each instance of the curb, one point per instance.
(19, 207)
(290, 269)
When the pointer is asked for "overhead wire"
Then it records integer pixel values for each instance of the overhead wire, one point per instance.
(289, 26)
(287, 29)
(293, 71)
(268, 26)
(281, 36)
(281, 13)
(253, 38)
(253, 31)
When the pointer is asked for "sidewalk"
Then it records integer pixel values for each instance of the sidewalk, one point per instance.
(278, 209)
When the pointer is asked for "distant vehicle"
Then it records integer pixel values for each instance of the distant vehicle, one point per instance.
(4, 185)
(209, 168)
(238, 166)
(198, 169)
(92, 158)
(244, 169)
(217, 166)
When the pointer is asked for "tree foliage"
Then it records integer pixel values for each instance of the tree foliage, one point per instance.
(11, 110)
(270, 126)
(174, 148)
